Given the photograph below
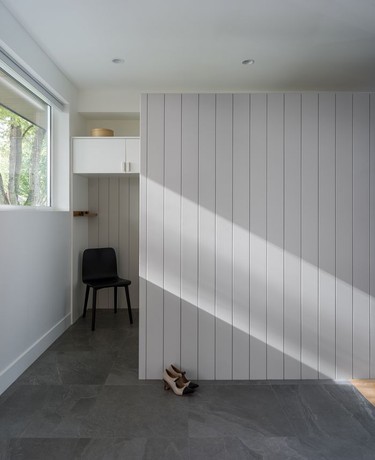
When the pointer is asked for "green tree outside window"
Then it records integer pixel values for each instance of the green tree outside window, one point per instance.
(23, 161)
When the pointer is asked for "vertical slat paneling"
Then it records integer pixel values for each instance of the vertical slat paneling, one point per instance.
(103, 211)
(120, 216)
(292, 299)
(327, 303)
(93, 195)
(123, 228)
(372, 236)
(113, 213)
(133, 240)
(275, 236)
(189, 235)
(206, 282)
(361, 228)
(155, 235)
(292, 238)
(258, 230)
(113, 229)
(103, 233)
(309, 237)
(344, 236)
(241, 227)
(224, 235)
(142, 360)
(172, 230)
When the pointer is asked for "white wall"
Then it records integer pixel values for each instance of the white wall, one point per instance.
(109, 101)
(257, 235)
(35, 245)
(35, 286)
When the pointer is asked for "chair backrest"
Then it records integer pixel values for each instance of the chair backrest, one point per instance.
(99, 263)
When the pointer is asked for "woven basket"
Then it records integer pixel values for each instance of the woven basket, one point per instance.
(101, 132)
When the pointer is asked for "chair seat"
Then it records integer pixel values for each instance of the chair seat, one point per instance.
(108, 283)
(99, 270)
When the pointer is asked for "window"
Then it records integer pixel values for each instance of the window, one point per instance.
(24, 145)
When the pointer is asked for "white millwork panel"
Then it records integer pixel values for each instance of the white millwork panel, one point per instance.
(115, 201)
(113, 211)
(257, 241)
(155, 235)
(189, 235)
(292, 238)
(327, 179)
(142, 360)
(344, 236)
(132, 236)
(361, 236)
(103, 298)
(241, 228)
(132, 155)
(275, 236)
(98, 155)
(93, 202)
(207, 232)
(172, 231)
(122, 221)
(106, 155)
(258, 232)
(113, 234)
(224, 243)
(309, 237)
(372, 236)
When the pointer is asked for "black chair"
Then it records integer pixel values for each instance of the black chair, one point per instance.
(99, 271)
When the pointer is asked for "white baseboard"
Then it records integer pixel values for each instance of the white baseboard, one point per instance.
(11, 373)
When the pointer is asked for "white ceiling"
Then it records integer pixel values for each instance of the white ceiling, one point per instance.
(198, 45)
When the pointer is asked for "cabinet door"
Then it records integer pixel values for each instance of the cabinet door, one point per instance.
(132, 155)
(98, 156)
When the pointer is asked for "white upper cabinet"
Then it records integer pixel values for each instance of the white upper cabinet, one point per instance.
(106, 155)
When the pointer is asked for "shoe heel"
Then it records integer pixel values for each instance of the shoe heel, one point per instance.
(166, 386)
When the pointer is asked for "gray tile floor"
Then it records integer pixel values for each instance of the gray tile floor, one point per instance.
(82, 400)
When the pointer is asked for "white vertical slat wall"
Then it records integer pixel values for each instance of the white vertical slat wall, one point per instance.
(327, 250)
(372, 233)
(206, 237)
(241, 242)
(172, 229)
(224, 236)
(257, 235)
(189, 233)
(275, 236)
(309, 235)
(292, 237)
(116, 202)
(342, 235)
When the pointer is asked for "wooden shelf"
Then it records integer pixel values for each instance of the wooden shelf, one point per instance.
(84, 214)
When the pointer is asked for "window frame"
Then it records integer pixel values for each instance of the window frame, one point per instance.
(26, 87)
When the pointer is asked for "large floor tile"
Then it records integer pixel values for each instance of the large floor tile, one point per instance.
(82, 400)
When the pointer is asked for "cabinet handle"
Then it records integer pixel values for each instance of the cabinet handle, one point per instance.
(127, 166)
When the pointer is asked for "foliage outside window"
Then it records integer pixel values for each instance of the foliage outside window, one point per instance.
(24, 145)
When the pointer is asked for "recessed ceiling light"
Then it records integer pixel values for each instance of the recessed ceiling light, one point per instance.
(118, 61)
(248, 62)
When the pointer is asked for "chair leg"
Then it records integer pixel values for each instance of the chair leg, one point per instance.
(115, 299)
(93, 309)
(129, 306)
(86, 300)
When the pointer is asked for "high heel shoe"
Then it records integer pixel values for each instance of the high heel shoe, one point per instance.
(175, 384)
(181, 374)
